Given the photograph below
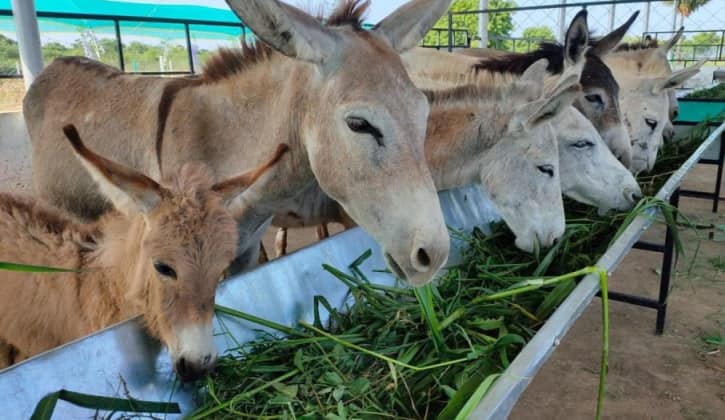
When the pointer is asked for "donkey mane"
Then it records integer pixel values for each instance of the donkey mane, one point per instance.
(228, 62)
(518, 63)
(631, 46)
(476, 93)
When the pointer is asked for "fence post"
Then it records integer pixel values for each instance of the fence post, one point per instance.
(188, 48)
(119, 44)
(450, 31)
(562, 20)
(483, 23)
(612, 15)
(647, 8)
(26, 27)
(722, 41)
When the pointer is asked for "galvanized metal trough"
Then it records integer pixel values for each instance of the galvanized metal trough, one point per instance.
(121, 361)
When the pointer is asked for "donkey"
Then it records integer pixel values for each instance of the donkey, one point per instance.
(646, 96)
(599, 99)
(161, 254)
(460, 153)
(652, 60)
(357, 129)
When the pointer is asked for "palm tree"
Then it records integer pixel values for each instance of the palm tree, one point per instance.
(686, 7)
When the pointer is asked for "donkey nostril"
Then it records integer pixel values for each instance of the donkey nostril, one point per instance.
(207, 359)
(423, 258)
(182, 367)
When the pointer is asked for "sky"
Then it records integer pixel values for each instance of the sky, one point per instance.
(661, 15)
(712, 17)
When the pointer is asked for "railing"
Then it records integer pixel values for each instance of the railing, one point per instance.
(679, 53)
(458, 34)
(117, 20)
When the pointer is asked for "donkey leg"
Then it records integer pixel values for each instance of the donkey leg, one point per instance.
(7, 354)
(280, 242)
(263, 258)
(322, 232)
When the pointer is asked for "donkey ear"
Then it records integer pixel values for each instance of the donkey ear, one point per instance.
(407, 26)
(544, 110)
(665, 48)
(577, 39)
(677, 78)
(233, 187)
(536, 72)
(287, 29)
(608, 43)
(129, 191)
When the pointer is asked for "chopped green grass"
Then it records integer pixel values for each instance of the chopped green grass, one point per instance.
(715, 92)
(432, 352)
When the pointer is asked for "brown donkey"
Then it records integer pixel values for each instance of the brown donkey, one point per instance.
(161, 254)
(337, 94)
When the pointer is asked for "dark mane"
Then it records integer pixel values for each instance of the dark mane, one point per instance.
(472, 92)
(518, 63)
(230, 61)
(645, 45)
(349, 12)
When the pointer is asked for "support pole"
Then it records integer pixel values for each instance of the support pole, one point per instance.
(562, 20)
(483, 24)
(647, 10)
(26, 28)
(612, 15)
(666, 275)
(718, 180)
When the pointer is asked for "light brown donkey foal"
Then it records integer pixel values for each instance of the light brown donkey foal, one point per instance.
(160, 254)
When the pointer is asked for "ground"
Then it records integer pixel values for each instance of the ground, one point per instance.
(673, 376)
(11, 94)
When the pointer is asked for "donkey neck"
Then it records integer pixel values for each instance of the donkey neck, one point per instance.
(114, 271)
(240, 120)
(459, 137)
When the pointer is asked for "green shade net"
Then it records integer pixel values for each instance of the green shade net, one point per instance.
(115, 8)
(696, 111)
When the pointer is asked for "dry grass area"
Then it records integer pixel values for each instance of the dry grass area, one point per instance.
(11, 94)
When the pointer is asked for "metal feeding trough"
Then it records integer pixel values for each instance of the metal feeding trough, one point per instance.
(121, 361)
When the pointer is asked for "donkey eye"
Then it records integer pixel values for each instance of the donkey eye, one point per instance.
(362, 126)
(547, 169)
(583, 144)
(594, 98)
(652, 124)
(164, 270)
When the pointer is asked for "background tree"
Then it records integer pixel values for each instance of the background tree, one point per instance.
(499, 24)
(686, 7)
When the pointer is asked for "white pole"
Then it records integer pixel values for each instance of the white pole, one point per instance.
(646, 16)
(612, 14)
(26, 28)
(483, 23)
(562, 20)
(675, 9)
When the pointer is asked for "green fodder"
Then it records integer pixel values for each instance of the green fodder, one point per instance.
(402, 353)
(380, 358)
(715, 92)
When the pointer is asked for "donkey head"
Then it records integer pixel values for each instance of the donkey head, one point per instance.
(529, 199)
(646, 105)
(590, 173)
(185, 240)
(599, 101)
(363, 125)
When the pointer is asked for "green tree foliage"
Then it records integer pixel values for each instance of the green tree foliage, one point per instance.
(499, 24)
(700, 46)
(138, 56)
(9, 55)
(539, 33)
